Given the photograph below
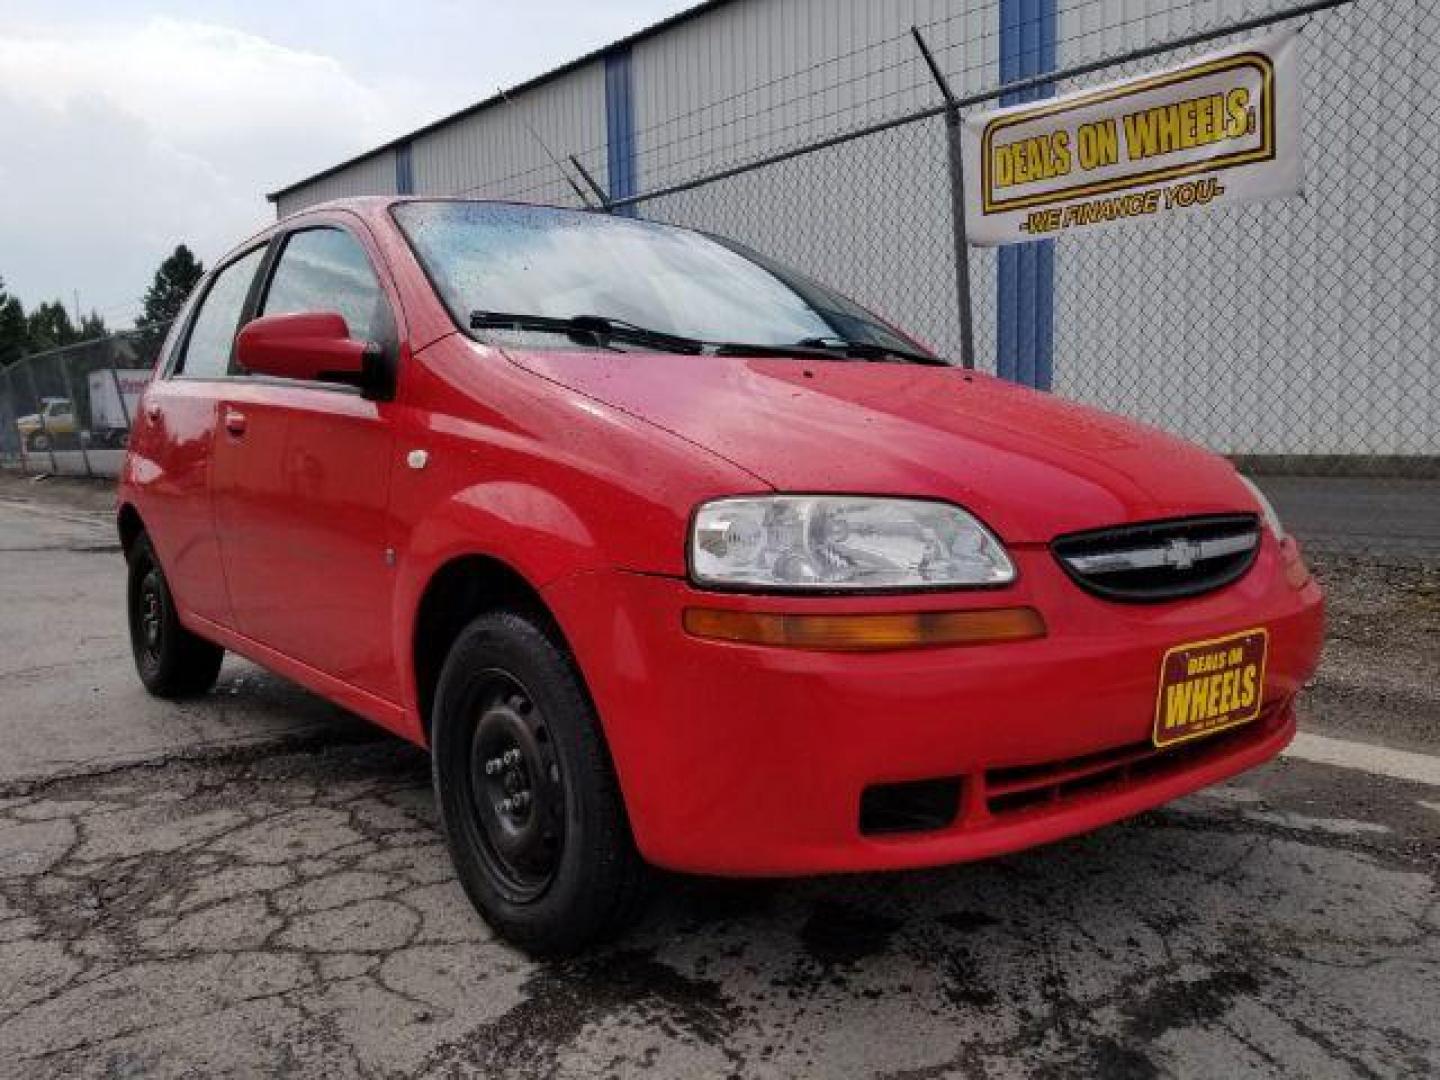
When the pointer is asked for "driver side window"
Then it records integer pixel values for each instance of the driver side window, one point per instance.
(326, 269)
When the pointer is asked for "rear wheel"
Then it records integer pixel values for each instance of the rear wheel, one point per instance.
(527, 795)
(172, 662)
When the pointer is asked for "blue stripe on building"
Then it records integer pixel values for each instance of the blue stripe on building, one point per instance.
(620, 127)
(1025, 281)
(404, 171)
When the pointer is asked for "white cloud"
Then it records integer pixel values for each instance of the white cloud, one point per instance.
(117, 143)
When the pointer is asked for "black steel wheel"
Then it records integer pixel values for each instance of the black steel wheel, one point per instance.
(151, 613)
(517, 791)
(172, 662)
(527, 795)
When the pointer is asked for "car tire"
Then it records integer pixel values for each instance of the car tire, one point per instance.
(172, 661)
(528, 798)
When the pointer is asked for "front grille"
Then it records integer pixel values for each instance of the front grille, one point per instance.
(1161, 560)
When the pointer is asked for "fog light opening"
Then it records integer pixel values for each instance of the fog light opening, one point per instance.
(908, 807)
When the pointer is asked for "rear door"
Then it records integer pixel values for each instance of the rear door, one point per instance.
(172, 462)
(302, 477)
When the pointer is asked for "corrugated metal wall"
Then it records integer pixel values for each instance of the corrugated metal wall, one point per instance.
(1093, 29)
(373, 175)
(757, 76)
(489, 153)
(494, 153)
(740, 81)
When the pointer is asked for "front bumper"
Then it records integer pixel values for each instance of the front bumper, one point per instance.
(749, 760)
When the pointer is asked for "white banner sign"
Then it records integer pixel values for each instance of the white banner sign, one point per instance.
(1219, 130)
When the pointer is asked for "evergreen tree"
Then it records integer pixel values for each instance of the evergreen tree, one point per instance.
(50, 327)
(93, 326)
(177, 275)
(14, 331)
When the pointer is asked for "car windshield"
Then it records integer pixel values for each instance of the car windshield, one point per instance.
(566, 264)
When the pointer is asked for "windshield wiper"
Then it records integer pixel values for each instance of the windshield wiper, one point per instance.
(868, 350)
(599, 328)
(602, 329)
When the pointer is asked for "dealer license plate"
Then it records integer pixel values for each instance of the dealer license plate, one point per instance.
(1209, 686)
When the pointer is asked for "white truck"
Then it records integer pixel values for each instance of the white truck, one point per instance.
(114, 397)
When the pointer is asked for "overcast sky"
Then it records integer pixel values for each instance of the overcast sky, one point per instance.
(127, 127)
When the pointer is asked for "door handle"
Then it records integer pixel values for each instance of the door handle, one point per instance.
(234, 422)
(152, 411)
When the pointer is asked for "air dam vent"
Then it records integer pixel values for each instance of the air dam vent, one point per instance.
(1052, 785)
(1161, 560)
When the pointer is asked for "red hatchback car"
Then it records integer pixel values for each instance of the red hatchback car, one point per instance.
(675, 557)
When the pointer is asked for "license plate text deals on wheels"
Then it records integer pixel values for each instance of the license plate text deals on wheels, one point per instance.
(1208, 686)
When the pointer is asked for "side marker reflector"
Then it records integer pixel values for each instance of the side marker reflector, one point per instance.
(866, 633)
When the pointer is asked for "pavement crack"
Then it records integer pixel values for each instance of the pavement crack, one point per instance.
(213, 753)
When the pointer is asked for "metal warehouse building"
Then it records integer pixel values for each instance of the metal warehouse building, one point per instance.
(1303, 327)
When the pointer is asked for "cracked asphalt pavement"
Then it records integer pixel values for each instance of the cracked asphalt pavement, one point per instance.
(253, 885)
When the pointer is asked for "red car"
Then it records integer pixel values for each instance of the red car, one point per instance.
(675, 557)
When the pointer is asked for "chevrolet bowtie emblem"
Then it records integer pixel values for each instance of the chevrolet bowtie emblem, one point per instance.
(1181, 554)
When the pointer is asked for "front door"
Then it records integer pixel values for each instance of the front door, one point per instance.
(301, 488)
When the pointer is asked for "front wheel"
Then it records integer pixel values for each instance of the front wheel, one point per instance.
(171, 661)
(528, 798)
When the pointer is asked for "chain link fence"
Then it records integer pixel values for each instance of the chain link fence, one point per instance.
(68, 411)
(1297, 336)
(862, 216)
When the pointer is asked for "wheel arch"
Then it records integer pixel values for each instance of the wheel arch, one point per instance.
(458, 591)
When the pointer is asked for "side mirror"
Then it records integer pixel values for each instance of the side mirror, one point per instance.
(314, 346)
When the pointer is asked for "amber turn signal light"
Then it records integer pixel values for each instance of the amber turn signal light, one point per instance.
(866, 633)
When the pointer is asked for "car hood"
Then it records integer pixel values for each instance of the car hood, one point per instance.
(1029, 464)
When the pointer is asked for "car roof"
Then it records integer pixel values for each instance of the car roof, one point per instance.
(373, 205)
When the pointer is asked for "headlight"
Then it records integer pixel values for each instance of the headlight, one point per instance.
(788, 542)
(1267, 511)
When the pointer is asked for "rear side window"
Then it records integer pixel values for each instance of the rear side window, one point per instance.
(328, 270)
(207, 353)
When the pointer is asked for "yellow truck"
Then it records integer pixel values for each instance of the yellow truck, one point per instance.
(53, 423)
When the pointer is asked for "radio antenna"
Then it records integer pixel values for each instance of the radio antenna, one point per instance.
(579, 192)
